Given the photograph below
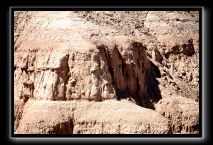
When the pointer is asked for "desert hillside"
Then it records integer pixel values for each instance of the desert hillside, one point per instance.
(106, 72)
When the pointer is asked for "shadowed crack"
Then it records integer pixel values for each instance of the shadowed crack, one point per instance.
(117, 64)
(186, 49)
(63, 128)
(62, 77)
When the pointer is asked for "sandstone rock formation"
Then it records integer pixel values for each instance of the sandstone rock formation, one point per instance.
(107, 117)
(96, 73)
(182, 112)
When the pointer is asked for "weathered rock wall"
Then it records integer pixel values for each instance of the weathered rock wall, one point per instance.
(70, 72)
(78, 69)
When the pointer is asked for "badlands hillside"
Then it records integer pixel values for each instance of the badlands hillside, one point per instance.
(106, 72)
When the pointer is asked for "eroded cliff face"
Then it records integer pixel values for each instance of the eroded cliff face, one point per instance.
(72, 75)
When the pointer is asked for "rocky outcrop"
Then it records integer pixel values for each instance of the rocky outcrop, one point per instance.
(171, 39)
(176, 35)
(183, 114)
(95, 69)
(72, 75)
(83, 117)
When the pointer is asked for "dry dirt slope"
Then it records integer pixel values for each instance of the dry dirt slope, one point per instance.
(106, 72)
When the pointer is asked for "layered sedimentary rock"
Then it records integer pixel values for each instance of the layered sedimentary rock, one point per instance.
(90, 117)
(72, 76)
(78, 69)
